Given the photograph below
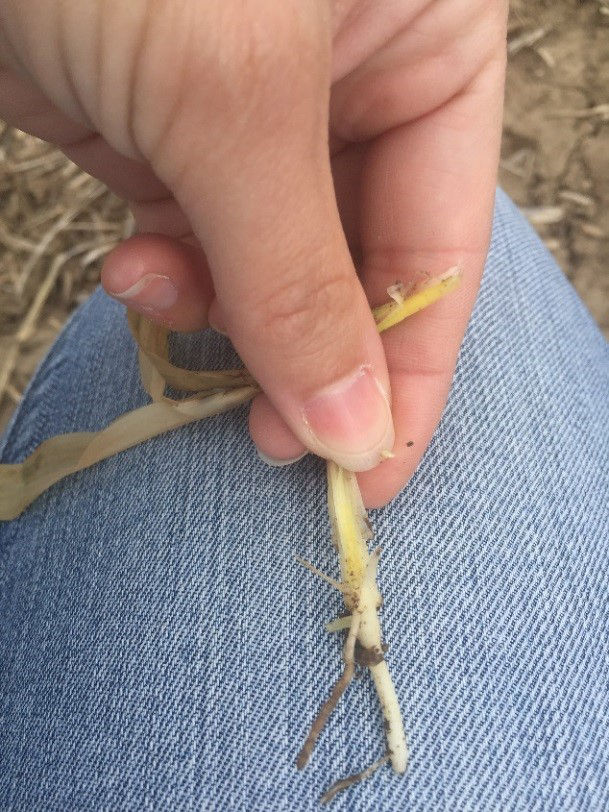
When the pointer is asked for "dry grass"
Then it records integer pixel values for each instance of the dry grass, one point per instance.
(56, 224)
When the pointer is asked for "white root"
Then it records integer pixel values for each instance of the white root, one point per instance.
(350, 528)
(394, 728)
(369, 637)
(339, 624)
(327, 578)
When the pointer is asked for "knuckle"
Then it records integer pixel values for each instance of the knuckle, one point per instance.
(301, 317)
(237, 70)
(269, 56)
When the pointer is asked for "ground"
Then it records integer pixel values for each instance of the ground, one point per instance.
(555, 153)
(56, 224)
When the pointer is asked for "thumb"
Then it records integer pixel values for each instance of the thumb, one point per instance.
(296, 313)
(263, 207)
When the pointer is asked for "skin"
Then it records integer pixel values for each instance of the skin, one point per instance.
(294, 161)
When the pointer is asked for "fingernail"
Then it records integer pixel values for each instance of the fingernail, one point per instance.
(276, 463)
(153, 291)
(351, 421)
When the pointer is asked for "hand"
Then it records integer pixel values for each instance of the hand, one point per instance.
(212, 119)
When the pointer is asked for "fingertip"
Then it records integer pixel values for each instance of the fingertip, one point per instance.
(350, 421)
(273, 438)
(166, 279)
(382, 484)
(418, 402)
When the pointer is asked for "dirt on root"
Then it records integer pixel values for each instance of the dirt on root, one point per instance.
(57, 224)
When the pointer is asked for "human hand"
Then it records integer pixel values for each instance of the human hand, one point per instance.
(212, 119)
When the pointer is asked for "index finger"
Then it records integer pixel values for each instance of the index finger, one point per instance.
(427, 201)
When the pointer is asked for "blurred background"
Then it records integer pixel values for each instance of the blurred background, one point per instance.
(57, 224)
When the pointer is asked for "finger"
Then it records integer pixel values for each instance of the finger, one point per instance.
(429, 60)
(166, 279)
(275, 442)
(264, 209)
(428, 190)
(24, 106)
(347, 175)
(298, 317)
(153, 207)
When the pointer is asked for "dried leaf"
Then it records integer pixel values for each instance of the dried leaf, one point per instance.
(56, 458)
(21, 483)
(152, 380)
(152, 340)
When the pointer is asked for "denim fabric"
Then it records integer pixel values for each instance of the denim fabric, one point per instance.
(161, 649)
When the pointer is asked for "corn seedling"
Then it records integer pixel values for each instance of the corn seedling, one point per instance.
(215, 392)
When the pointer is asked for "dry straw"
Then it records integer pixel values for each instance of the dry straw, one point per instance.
(56, 224)
(215, 392)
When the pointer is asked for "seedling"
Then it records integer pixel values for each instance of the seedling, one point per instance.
(215, 392)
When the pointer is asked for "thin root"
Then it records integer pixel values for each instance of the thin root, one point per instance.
(332, 581)
(345, 783)
(338, 624)
(336, 693)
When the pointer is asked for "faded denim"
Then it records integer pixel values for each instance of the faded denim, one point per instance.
(160, 648)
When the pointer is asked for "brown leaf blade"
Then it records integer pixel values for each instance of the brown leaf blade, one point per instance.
(153, 342)
(21, 483)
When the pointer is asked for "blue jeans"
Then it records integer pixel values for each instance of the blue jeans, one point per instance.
(161, 649)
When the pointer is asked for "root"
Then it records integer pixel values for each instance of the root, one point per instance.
(345, 783)
(327, 578)
(394, 727)
(336, 693)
